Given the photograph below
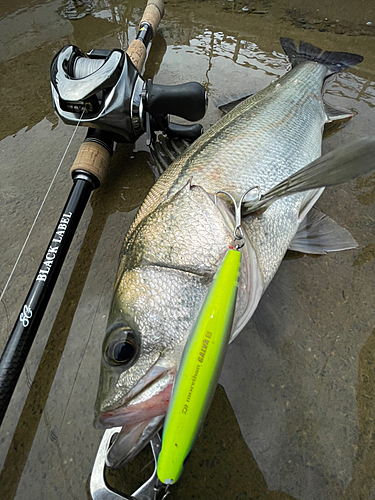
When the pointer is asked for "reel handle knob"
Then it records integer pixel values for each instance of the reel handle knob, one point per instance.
(187, 100)
(190, 132)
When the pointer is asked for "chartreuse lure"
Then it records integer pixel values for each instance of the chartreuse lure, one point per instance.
(199, 370)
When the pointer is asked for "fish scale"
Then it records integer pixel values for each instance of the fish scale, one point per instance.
(198, 251)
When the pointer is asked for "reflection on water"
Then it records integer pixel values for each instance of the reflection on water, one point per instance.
(367, 188)
(242, 52)
(354, 87)
(300, 378)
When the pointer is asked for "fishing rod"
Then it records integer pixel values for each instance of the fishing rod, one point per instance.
(103, 91)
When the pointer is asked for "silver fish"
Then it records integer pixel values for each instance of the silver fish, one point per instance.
(180, 236)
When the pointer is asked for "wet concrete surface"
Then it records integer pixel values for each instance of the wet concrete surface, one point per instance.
(299, 386)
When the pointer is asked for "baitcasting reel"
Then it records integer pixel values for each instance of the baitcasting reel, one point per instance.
(105, 91)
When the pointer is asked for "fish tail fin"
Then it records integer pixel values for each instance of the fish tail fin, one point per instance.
(334, 61)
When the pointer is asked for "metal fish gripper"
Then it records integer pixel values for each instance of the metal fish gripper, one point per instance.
(152, 489)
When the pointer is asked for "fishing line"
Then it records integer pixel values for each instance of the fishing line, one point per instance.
(40, 208)
(83, 355)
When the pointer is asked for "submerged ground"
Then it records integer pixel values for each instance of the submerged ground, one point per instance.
(300, 380)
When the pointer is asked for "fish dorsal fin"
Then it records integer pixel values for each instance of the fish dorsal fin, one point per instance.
(164, 152)
(339, 166)
(333, 61)
(318, 234)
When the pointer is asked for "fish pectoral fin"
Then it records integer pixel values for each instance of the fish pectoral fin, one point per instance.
(318, 234)
(334, 114)
(339, 166)
(225, 108)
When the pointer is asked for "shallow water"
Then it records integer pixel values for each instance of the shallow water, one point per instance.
(300, 386)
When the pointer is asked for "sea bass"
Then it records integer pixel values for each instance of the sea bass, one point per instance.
(180, 236)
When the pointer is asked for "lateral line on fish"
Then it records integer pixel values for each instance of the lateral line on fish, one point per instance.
(179, 270)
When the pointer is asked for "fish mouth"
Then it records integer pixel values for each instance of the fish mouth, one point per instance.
(128, 442)
(139, 417)
(149, 398)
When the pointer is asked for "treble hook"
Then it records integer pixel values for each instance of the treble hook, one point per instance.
(160, 488)
(238, 236)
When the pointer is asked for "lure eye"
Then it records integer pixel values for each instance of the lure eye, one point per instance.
(122, 346)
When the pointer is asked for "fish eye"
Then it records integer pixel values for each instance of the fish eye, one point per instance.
(122, 346)
(123, 351)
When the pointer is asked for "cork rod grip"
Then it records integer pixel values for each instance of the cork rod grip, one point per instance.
(137, 53)
(152, 14)
(93, 158)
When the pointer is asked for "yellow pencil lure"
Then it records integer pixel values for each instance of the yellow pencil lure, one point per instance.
(199, 370)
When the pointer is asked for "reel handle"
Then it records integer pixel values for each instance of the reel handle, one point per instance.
(187, 100)
(152, 15)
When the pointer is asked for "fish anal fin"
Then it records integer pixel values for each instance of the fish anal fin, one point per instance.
(334, 114)
(319, 234)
